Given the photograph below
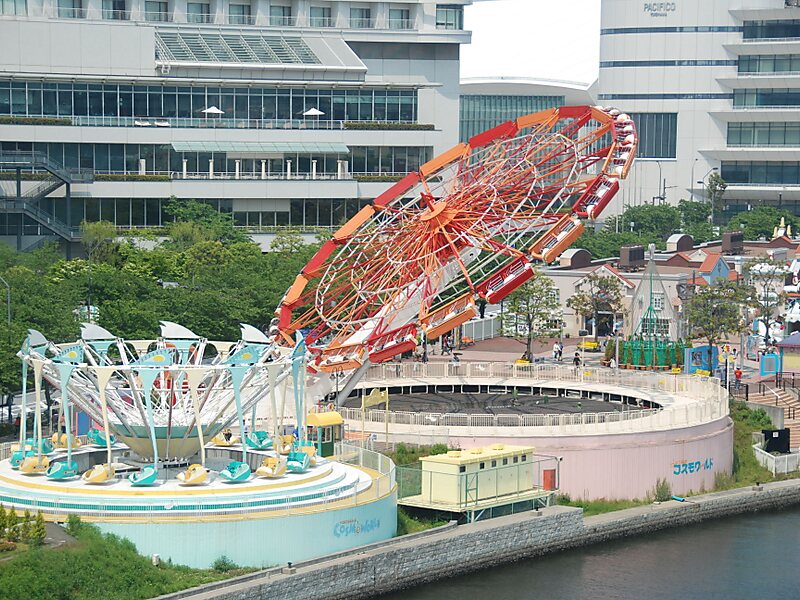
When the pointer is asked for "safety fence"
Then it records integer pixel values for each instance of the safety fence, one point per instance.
(683, 400)
(778, 464)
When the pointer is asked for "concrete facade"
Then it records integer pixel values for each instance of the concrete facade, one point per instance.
(712, 65)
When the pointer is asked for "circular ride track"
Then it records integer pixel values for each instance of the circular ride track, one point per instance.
(470, 224)
(492, 404)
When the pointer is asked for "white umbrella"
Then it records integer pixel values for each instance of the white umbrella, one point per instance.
(212, 110)
(313, 112)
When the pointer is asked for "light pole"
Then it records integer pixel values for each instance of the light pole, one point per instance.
(691, 183)
(8, 306)
(710, 200)
(658, 195)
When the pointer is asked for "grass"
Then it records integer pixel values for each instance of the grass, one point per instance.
(404, 455)
(98, 566)
(600, 506)
(410, 523)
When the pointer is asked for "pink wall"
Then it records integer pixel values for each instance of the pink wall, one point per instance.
(627, 466)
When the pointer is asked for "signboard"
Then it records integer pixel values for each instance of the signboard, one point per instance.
(696, 361)
(770, 364)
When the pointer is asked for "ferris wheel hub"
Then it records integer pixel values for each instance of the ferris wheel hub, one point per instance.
(438, 214)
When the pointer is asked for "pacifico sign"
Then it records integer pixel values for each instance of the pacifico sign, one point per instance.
(659, 9)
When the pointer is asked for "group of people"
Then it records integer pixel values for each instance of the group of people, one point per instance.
(558, 351)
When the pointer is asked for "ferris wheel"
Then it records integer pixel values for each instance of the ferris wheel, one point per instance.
(470, 224)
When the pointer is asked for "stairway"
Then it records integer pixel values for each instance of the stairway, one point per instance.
(28, 203)
(775, 396)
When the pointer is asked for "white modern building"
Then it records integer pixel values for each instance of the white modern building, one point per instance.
(712, 84)
(281, 112)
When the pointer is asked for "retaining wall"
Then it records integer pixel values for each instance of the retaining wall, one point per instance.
(449, 551)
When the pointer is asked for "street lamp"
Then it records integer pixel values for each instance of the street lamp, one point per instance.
(691, 183)
(8, 306)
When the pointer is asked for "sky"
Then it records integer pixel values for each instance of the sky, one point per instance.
(539, 39)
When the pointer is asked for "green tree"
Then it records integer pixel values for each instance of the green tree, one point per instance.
(605, 244)
(12, 521)
(715, 190)
(715, 311)
(761, 222)
(766, 275)
(286, 242)
(597, 293)
(649, 220)
(2, 521)
(693, 212)
(208, 222)
(38, 530)
(25, 527)
(531, 310)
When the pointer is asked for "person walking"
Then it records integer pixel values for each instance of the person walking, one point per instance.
(556, 350)
(738, 376)
(576, 360)
(560, 351)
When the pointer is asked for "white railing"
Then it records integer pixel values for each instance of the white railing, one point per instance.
(780, 464)
(707, 401)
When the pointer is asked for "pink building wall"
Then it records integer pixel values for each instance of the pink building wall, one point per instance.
(628, 465)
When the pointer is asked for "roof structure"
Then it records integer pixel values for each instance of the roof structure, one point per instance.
(611, 271)
(261, 147)
(793, 341)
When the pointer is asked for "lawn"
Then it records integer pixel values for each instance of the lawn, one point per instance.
(97, 567)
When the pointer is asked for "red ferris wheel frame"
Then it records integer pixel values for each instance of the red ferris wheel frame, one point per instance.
(470, 223)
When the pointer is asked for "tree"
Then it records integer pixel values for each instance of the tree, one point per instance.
(766, 275)
(715, 311)
(761, 222)
(597, 293)
(209, 223)
(650, 221)
(12, 520)
(715, 190)
(695, 220)
(38, 530)
(95, 239)
(2, 521)
(286, 242)
(25, 527)
(535, 304)
(605, 244)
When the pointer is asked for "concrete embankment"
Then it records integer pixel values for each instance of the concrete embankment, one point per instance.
(453, 550)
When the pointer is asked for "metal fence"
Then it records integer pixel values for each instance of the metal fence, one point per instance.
(778, 464)
(699, 399)
(481, 329)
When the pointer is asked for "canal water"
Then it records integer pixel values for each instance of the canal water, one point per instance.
(749, 557)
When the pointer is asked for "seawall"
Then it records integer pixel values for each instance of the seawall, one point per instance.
(453, 550)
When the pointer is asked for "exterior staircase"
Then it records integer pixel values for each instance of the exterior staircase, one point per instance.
(54, 176)
(774, 395)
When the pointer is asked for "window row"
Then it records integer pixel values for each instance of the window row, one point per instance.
(766, 97)
(13, 7)
(769, 63)
(658, 134)
(150, 212)
(761, 172)
(161, 158)
(764, 134)
(35, 99)
(789, 28)
(480, 112)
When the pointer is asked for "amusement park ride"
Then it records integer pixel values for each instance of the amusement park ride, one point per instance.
(471, 223)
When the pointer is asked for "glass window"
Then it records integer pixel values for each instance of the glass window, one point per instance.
(198, 12)
(399, 18)
(115, 10)
(280, 16)
(239, 14)
(320, 16)
(449, 16)
(658, 134)
(360, 18)
(156, 11)
(13, 7)
(70, 9)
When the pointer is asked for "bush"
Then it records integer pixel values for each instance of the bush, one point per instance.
(439, 449)
(377, 178)
(130, 177)
(663, 491)
(389, 125)
(224, 564)
(7, 546)
(15, 120)
(73, 525)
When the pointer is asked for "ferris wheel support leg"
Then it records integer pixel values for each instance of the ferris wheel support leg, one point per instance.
(352, 382)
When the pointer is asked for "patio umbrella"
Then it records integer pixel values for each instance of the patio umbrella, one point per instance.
(313, 112)
(212, 110)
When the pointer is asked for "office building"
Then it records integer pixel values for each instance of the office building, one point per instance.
(285, 113)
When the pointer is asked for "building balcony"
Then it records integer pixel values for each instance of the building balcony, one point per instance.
(275, 21)
(362, 24)
(199, 18)
(158, 17)
(71, 13)
(400, 24)
(241, 20)
(321, 22)
(116, 15)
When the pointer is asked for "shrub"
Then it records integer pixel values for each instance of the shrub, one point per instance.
(389, 125)
(12, 520)
(377, 178)
(38, 531)
(7, 546)
(663, 490)
(439, 449)
(15, 120)
(73, 524)
(224, 564)
(25, 528)
(2, 521)
(130, 177)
